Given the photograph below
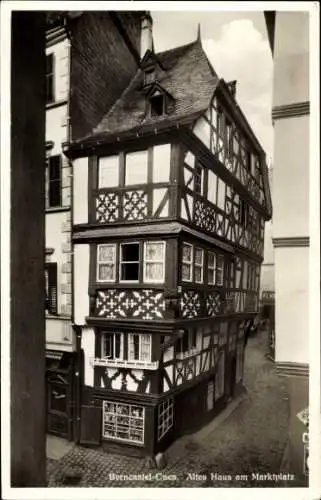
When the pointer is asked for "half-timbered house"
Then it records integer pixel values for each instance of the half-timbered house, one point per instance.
(170, 198)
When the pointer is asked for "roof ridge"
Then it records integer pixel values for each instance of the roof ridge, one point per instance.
(185, 46)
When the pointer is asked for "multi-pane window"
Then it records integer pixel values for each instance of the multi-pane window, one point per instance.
(106, 263)
(187, 262)
(198, 179)
(215, 269)
(139, 347)
(219, 380)
(165, 417)
(51, 288)
(112, 345)
(198, 265)
(187, 342)
(54, 181)
(244, 214)
(154, 262)
(129, 262)
(50, 90)
(123, 422)
(229, 139)
(136, 167)
(210, 395)
(219, 273)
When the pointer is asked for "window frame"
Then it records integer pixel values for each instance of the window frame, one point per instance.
(211, 268)
(219, 258)
(145, 261)
(199, 266)
(50, 77)
(56, 180)
(130, 418)
(188, 263)
(140, 337)
(168, 417)
(113, 334)
(98, 263)
(121, 262)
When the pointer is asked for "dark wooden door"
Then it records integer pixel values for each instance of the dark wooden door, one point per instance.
(59, 398)
(233, 377)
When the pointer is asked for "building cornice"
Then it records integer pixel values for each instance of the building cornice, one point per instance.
(290, 369)
(291, 241)
(290, 110)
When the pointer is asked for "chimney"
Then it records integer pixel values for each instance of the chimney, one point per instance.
(232, 87)
(146, 40)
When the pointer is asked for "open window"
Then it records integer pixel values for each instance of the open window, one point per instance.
(157, 105)
(129, 262)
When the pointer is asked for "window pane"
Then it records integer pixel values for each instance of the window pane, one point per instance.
(190, 159)
(108, 171)
(136, 168)
(129, 272)
(198, 256)
(187, 253)
(154, 251)
(161, 163)
(106, 272)
(186, 272)
(198, 274)
(211, 259)
(154, 271)
(211, 276)
(118, 345)
(55, 193)
(106, 253)
(130, 252)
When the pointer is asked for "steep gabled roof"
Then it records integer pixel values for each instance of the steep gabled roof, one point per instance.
(188, 78)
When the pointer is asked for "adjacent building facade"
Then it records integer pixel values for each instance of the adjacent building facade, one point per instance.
(90, 59)
(170, 197)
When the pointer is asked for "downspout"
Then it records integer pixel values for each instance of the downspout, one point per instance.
(76, 331)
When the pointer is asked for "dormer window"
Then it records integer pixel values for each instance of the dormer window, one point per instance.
(157, 105)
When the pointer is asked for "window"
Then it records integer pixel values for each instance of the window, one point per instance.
(187, 342)
(220, 122)
(154, 262)
(211, 268)
(54, 181)
(123, 422)
(108, 171)
(187, 260)
(210, 395)
(219, 270)
(139, 347)
(244, 214)
(198, 265)
(165, 417)
(219, 380)
(136, 168)
(106, 263)
(112, 345)
(198, 179)
(157, 105)
(50, 95)
(51, 288)
(129, 262)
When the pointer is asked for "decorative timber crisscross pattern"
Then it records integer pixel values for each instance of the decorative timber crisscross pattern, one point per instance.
(107, 207)
(135, 205)
(190, 304)
(213, 303)
(139, 304)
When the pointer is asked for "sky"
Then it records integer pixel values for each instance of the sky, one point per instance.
(237, 46)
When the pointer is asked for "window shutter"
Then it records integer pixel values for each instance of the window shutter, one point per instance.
(51, 292)
(55, 181)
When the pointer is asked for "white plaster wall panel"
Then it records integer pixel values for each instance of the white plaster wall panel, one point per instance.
(61, 68)
(116, 383)
(59, 334)
(80, 191)
(206, 341)
(168, 354)
(198, 365)
(55, 239)
(291, 177)
(202, 131)
(292, 304)
(81, 280)
(148, 388)
(165, 385)
(88, 345)
(170, 372)
(55, 130)
(291, 58)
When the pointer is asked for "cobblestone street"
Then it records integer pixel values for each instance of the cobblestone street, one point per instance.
(251, 439)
